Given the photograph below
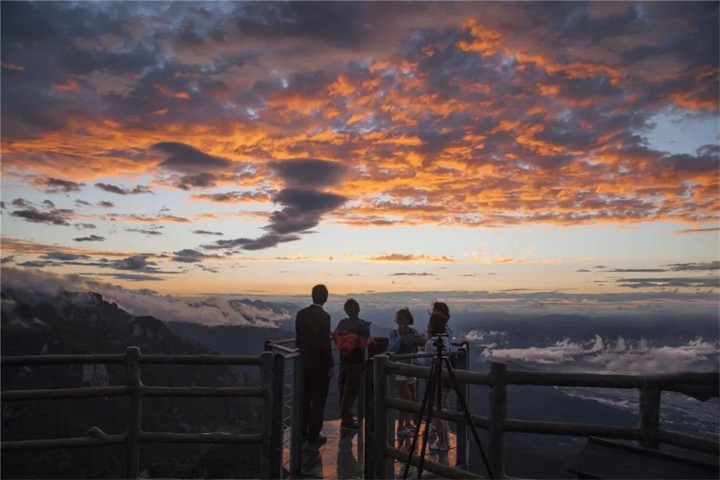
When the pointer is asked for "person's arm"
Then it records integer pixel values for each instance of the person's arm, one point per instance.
(325, 342)
(298, 330)
(395, 342)
(428, 348)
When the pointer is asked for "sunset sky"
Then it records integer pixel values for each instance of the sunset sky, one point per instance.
(259, 148)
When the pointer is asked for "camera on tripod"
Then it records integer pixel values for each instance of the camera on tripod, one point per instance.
(432, 402)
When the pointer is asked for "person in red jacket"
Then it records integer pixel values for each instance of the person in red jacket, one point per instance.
(352, 336)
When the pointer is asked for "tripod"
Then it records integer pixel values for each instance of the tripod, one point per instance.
(433, 393)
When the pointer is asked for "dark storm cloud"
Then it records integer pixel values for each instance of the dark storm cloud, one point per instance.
(181, 157)
(91, 238)
(200, 180)
(105, 204)
(637, 270)
(8, 259)
(43, 38)
(207, 232)
(685, 267)
(191, 256)
(233, 197)
(64, 257)
(309, 173)
(266, 241)
(134, 277)
(412, 274)
(138, 189)
(669, 282)
(302, 207)
(50, 216)
(85, 226)
(332, 23)
(146, 231)
(58, 185)
(135, 263)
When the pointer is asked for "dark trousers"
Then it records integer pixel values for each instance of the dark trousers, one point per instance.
(351, 377)
(316, 384)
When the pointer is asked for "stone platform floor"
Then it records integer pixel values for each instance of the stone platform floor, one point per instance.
(342, 456)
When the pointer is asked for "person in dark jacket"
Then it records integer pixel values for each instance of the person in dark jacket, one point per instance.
(312, 334)
(352, 336)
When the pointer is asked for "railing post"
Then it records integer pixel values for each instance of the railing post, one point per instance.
(368, 400)
(297, 415)
(266, 381)
(461, 435)
(134, 413)
(276, 416)
(496, 419)
(380, 424)
(649, 417)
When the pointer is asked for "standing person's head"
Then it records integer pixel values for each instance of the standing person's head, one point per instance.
(442, 309)
(352, 308)
(319, 294)
(436, 324)
(404, 318)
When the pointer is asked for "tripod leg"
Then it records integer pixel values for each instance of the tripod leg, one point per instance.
(423, 406)
(433, 384)
(463, 405)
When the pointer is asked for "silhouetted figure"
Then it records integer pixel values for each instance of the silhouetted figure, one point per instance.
(352, 336)
(312, 332)
(437, 329)
(442, 310)
(403, 340)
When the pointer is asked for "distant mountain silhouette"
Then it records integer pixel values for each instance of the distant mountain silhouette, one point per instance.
(84, 323)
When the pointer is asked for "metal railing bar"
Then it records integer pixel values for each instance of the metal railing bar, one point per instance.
(687, 441)
(205, 359)
(77, 442)
(214, 437)
(457, 417)
(451, 353)
(201, 391)
(611, 381)
(445, 471)
(63, 393)
(280, 348)
(34, 360)
(462, 376)
(572, 429)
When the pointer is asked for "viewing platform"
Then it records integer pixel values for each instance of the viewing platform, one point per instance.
(342, 456)
(375, 451)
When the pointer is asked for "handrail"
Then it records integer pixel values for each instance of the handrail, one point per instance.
(271, 391)
(294, 443)
(647, 432)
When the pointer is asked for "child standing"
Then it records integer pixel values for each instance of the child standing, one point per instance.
(352, 336)
(405, 339)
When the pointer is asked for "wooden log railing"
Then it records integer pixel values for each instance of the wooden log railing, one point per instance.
(647, 433)
(271, 391)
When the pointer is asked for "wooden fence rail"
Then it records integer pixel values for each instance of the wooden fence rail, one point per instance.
(271, 391)
(647, 432)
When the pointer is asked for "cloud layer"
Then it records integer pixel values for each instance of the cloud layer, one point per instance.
(428, 113)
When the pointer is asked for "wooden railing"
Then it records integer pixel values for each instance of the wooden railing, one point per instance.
(497, 424)
(271, 391)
